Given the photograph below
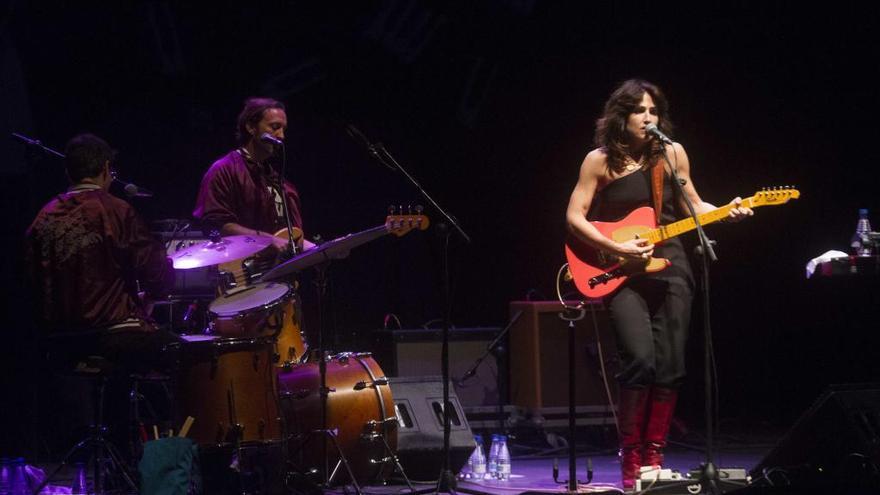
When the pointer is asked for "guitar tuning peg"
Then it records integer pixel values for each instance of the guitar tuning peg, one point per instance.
(409, 209)
(419, 209)
(391, 209)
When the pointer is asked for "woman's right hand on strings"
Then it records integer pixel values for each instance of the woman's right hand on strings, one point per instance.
(635, 248)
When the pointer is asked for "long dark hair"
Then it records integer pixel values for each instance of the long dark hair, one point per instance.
(611, 127)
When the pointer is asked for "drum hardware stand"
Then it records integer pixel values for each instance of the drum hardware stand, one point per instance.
(100, 445)
(446, 481)
(375, 383)
(324, 391)
(392, 457)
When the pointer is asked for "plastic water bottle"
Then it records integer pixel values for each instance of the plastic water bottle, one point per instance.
(80, 480)
(492, 467)
(19, 482)
(503, 460)
(477, 461)
(5, 476)
(863, 228)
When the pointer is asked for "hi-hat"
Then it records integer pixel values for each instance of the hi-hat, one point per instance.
(226, 249)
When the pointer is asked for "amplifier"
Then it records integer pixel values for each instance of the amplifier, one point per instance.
(416, 352)
(539, 358)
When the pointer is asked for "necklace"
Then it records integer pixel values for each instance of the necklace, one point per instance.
(632, 164)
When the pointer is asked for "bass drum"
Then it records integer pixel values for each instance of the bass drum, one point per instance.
(359, 408)
(228, 386)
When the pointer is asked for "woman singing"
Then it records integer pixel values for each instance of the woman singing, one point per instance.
(650, 314)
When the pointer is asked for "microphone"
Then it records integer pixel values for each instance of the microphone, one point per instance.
(359, 137)
(133, 191)
(653, 130)
(270, 139)
(373, 149)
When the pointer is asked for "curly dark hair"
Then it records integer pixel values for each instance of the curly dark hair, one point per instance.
(611, 127)
(251, 114)
(85, 156)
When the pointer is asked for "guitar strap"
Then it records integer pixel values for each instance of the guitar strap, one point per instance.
(657, 188)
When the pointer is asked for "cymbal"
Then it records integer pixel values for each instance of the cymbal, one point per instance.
(228, 248)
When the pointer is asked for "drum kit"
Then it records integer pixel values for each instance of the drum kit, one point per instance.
(251, 381)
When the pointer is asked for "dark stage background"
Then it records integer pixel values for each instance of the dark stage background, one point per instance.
(491, 104)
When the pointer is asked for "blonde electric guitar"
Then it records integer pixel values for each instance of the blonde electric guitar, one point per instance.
(244, 272)
(241, 272)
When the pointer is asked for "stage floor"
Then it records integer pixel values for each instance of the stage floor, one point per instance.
(531, 474)
(536, 474)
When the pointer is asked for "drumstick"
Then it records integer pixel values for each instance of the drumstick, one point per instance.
(186, 426)
(155, 432)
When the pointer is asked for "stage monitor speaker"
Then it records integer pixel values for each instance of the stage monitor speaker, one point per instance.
(418, 402)
(837, 440)
(539, 356)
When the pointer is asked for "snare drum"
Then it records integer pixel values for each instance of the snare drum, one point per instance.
(228, 386)
(264, 309)
(359, 407)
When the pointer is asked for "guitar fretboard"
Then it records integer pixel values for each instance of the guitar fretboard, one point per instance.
(682, 226)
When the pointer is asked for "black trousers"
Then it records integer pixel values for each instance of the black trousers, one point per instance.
(650, 317)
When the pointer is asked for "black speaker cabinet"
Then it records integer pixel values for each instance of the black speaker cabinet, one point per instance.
(839, 433)
(418, 402)
(416, 352)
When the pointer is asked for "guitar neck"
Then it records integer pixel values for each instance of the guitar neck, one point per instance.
(682, 226)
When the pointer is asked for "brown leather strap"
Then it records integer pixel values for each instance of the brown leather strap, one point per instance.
(657, 174)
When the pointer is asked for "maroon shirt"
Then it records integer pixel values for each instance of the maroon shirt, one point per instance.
(240, 191)
(87, 251)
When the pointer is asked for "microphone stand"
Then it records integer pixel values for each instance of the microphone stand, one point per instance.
(36, 143)
(279, 183)
(708, 470)
(291, 251)
(489, 350)
(446, 481)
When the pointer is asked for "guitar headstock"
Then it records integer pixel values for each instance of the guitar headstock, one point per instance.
(775, 196)
(399, 222)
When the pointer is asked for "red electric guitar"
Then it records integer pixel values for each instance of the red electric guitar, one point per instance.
(597, 273)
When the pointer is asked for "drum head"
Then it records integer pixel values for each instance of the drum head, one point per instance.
(255, 296)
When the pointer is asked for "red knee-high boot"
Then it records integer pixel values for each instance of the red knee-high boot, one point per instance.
(631, 410)
(660, 411)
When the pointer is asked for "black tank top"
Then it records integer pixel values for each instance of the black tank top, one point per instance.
(623, 195)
